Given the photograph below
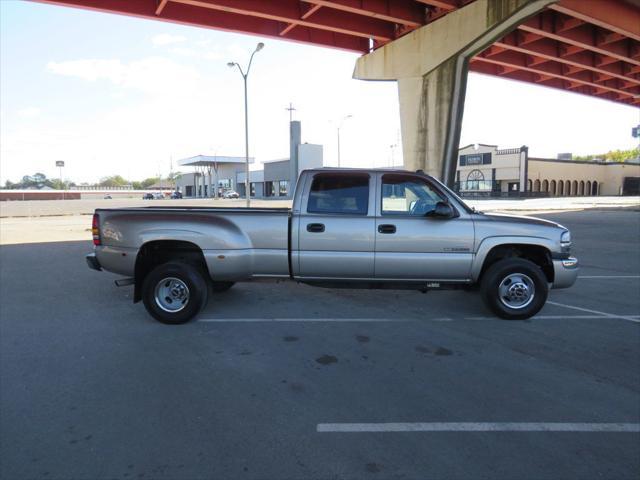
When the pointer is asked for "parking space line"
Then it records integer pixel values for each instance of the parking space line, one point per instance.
(634, 318)
(608, 276)
(476, 427)
(311, 320)
(630, 318)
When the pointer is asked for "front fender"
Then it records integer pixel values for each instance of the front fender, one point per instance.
(491, 242)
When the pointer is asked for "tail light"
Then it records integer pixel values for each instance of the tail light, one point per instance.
(95, 229)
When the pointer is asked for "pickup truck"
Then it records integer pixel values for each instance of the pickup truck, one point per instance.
(347, 228)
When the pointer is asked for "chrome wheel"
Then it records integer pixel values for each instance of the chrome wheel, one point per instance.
(171, 294)
(516, 291)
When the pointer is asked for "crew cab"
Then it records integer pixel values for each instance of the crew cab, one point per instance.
(347, 228)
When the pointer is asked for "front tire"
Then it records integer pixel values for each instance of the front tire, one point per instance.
(514, 288)
(174, 293)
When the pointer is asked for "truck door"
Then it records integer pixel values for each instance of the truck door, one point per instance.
(413, 244)
(336, 230)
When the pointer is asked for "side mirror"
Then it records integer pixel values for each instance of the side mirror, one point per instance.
(442, 210)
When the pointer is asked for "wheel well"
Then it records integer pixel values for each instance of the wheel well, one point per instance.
(534, 253)
(155, 253)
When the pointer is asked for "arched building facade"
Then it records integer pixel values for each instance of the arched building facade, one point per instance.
(485, 170)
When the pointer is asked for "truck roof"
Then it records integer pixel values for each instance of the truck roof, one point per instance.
(368, 170)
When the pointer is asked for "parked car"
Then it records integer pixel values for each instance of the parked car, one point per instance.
(148, 196)
(158, 196)
(230, 194)
(176, 195)
(347, 228)
(107, 197)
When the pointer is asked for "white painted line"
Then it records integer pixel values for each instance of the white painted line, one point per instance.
(476, 427)
(608, 276)
(383, 320)
(554, 317)
(604, 314)
(310, 320)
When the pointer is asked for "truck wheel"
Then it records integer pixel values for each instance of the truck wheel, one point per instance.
(174, 293)
(514, 288)
(218, 287)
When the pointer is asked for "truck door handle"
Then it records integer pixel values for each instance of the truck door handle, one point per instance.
(386, 228)
(315, 227)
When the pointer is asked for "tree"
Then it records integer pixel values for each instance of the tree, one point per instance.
(113, 181)
(146, 183)
(173, 176)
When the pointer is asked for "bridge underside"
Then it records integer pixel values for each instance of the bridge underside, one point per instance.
(591, 47)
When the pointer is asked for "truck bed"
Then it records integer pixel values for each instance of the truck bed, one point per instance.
(236, 242)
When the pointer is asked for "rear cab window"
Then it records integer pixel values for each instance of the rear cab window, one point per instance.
(339, 194)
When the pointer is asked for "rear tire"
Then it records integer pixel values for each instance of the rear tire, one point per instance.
(219, 287)
(174, 293)
(514, 288)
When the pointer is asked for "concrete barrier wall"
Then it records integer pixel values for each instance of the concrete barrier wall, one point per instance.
(38, 195)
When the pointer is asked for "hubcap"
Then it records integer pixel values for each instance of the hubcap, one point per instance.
(516, 291)
(172, 294)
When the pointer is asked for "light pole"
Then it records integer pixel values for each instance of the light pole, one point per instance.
(246, 119)
(346, 117)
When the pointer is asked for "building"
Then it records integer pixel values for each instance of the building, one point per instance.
(276, 178)
(210, 170)
(485, 170)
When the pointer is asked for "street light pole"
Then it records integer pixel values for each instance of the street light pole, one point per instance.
(247, 191)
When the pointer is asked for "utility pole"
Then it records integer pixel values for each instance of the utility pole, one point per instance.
(291, 109)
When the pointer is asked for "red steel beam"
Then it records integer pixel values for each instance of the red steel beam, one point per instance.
(161, 5)
(206, 18)
(310, 11)
(551, 50)
(404, 12)
(549, 70)
(443, 4)
(479, 66)
(289, 11)
(583, 37)
(619, 17)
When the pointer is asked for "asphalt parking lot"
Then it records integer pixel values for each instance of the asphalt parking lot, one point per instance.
(285, 381)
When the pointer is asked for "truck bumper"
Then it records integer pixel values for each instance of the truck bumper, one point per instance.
(565, 272)
(93, 262)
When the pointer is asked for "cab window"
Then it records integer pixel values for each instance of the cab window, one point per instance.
(407, 195)
(339, 194)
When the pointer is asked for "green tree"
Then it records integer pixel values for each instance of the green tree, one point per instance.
(113, 181)
(147, 182)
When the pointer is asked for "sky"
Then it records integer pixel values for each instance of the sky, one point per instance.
(110, 94)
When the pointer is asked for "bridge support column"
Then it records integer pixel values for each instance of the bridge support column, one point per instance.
(430, 65)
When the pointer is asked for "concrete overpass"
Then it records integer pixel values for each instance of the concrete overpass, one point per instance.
(591, 47)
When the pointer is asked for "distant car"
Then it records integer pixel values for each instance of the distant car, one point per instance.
(107, 197)
(230, 194)
(176, 195)
(158, 196)
(147, 196)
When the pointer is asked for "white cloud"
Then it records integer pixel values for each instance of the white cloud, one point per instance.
(29, 112)
(164, 39)
(150, 75)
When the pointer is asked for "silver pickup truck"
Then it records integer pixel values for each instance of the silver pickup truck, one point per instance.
(347, 228)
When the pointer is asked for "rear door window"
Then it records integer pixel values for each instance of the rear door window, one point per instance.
(339, 194)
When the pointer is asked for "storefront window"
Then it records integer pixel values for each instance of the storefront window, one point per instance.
(284, 187)
(269, 191)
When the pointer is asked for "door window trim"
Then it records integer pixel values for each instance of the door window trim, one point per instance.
(338, 214)
(434, 188)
